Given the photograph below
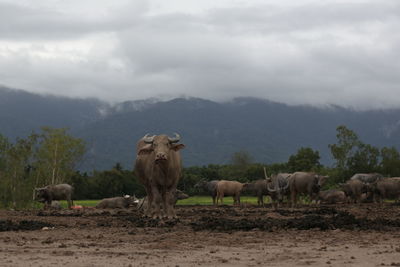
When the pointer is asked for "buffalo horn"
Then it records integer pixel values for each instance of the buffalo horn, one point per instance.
(174, 139)
(270, 190)
(148, 139)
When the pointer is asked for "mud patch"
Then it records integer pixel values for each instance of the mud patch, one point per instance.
(8, 225)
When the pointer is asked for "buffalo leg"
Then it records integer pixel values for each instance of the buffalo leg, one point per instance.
(155, 205)
(169, 201)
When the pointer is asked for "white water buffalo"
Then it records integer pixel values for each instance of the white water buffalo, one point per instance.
(258, 188)
(117, 202)
(388, 188)
(332, 196)
(210, 187)
(54, 192)
(158, 167)
(307, 183)
(229, 188)
(354, 190)
(367, 177)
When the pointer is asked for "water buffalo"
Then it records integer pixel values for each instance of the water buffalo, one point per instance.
(142, 203)
(388, 188)
(54, 192)
(278, 188)
(117, 202)
(308, 183)
(210, 187)
(367, 177)
(354, 190)
(259, 188)
(229, 188)
(332, 196)
(55, 205)
(158, 167)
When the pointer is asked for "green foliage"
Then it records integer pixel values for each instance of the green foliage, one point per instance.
(390, 162)
(305, 159)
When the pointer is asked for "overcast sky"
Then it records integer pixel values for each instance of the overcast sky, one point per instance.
(297, 52)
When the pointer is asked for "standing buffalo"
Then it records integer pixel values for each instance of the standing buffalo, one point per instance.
(259, 188)
(332, 196)
(279, 187)
(229, 188)
(54, 192)
(117, 202)
(367, 177)
(158, 167)
(210, 187)
(388, 188)
(354, 190)
(308, 183)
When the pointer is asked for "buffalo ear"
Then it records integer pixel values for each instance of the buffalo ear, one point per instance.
(177, 147)
(146, 150)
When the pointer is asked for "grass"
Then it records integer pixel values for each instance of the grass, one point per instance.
(195, 200)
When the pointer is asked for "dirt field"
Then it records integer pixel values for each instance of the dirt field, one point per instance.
(350, 235)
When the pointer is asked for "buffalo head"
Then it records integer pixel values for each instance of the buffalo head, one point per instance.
(160, 145)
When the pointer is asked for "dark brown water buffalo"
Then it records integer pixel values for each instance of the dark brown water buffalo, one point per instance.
(158, 167)
(279, 187)
(367, 177)
(258, 188)
(388, 188)
(54, 192)
(332, 196)
(210, 187)
(229, 188)
(117, 202)
(354, 190)
(307, 183)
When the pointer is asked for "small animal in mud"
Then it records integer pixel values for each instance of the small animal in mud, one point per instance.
(54, 192)
(307, 183)
(210, 187)
(158, 167)
(55, 205)
(388, 188)
(179, 195)
(332, 196)
(117, 202)
(229, 188)
(354, 190)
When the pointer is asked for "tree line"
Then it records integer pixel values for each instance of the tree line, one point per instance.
(52, 156)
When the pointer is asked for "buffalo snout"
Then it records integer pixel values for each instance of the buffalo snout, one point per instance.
(161, 157)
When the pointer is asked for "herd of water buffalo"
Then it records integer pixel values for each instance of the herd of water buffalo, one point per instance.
(158, 168)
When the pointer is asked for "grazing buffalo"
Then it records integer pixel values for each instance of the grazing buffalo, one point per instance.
(229, 188)
(117, 202)
(279, 187)
(210, 187)
(307, 183)
(388, 188)
(54, 192)
(367, 177)
(332, 196)
(354, 190)
(158, 167)
(259, 188)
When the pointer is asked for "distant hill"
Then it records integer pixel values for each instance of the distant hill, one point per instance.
(211, 131)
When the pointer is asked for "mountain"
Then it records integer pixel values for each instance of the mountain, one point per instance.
(211, 131)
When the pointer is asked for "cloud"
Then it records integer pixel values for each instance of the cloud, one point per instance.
(311, 52)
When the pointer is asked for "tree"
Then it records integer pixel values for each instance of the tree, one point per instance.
(345, 149)
(241, 159)
(57, 155)
(305, 159)
(390, 162)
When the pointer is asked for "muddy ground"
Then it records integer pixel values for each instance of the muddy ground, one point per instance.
(331, 235)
